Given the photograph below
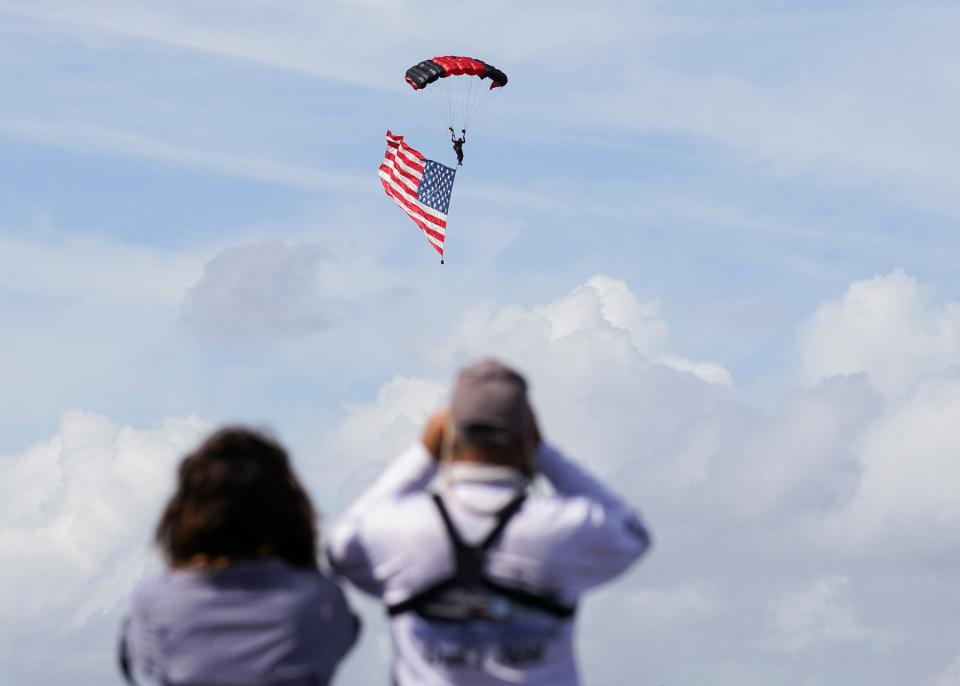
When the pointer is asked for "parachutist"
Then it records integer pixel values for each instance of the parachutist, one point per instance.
(458, 144)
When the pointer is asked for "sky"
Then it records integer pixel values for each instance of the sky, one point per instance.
(719, 238)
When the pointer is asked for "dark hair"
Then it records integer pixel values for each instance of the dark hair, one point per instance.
(237, 497)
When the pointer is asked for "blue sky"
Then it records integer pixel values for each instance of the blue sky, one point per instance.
(192, 232)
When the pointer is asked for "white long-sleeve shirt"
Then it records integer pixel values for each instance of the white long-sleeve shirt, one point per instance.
(392, 544)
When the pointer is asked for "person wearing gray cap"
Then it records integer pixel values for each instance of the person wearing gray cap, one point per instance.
(479, 574)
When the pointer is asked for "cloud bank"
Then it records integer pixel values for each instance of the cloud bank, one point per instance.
(780, 533)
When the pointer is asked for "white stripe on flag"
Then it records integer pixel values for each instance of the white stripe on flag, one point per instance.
(413, 199)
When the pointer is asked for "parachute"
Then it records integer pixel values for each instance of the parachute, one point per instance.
(454, 86)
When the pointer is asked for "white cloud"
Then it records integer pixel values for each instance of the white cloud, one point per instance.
(370, 434)
(353, 42)
(270, 291)
(100, 139)
(75, 516)
(817, 614)
(737, 498)
(782, 89)
(906, 498)
(950, 675)
(263, 291)
(888, 327)
(601, 311)
(743, 503)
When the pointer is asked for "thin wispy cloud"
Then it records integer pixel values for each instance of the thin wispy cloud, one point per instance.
(92, 139)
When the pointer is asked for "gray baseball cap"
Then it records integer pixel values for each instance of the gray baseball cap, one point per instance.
(489, 403)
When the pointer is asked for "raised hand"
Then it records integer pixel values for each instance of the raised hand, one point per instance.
(433, 431)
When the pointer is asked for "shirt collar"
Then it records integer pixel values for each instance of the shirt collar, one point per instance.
(468, 472)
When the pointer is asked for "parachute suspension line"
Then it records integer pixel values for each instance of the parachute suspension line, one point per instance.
(457, 87)
(433, 97)
(459, 103)
(479, 94)
(458, 106)
(451, 97)
(465, 94)
(485, 100)
(472, 91)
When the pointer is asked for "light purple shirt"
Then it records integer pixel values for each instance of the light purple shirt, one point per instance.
(259, 622)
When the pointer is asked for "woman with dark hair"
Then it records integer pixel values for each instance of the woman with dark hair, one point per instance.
(243, 601)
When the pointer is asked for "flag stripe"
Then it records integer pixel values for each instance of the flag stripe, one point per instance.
(412, 181)
(400, 178)
(400, 141)
(403, 155)
(415, 212)
(408, 163)
(427, 213)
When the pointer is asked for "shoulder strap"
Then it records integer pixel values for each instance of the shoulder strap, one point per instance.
(469, 566)
(468, 560)
(448, 522)
(503, 518)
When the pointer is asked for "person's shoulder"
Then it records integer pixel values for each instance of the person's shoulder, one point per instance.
(400, 513)
(549, 514)
(160, 587)
(401, 522)
(319, 596)
(310, 583)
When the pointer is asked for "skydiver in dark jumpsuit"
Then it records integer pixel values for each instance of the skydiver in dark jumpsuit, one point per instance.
(458, 144)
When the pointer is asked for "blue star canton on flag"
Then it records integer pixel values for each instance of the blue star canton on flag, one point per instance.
(436, 186)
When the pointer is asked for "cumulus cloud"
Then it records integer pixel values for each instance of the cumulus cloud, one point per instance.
(370, 434)
(906, 497)
(75, 515)
(762, 517)
(270, 291)
(601, 311)
(747, 505)
(888, 327)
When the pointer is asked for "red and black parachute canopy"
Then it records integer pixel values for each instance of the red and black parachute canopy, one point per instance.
(423, 74)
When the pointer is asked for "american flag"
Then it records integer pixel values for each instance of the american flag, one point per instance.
(421, 188)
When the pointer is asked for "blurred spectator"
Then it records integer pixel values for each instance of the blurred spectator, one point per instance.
(480, 575)
(243, 601)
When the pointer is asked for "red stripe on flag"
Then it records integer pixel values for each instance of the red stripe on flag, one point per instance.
(401, 173)
(412, 178)
(415, 153)
(399, 177)
(424, 226)
(411, 208)
(412, 162)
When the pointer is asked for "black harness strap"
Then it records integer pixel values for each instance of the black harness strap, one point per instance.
(541, 602)
(503, 518)
(469, 567)
(469, 559)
